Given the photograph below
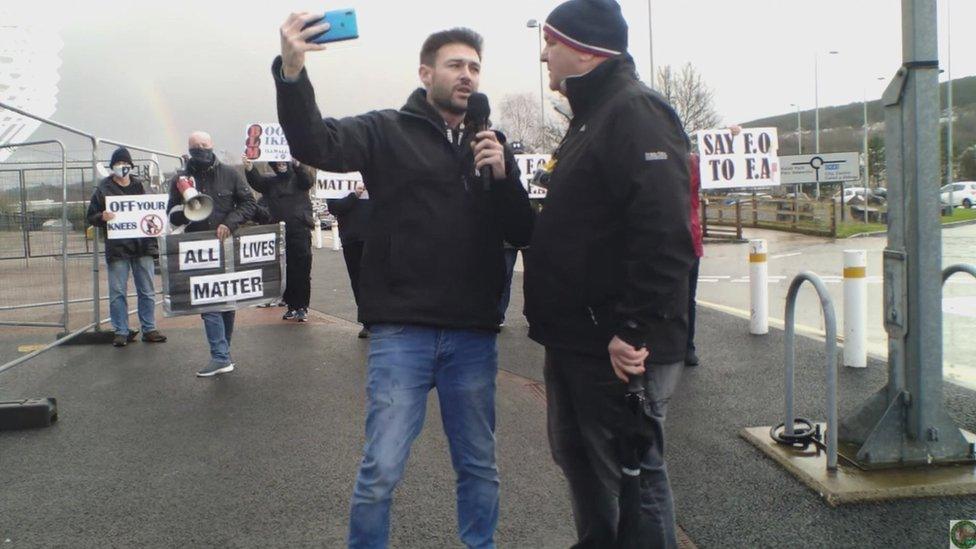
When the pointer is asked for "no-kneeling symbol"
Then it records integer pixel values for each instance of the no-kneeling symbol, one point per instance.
(151, 225)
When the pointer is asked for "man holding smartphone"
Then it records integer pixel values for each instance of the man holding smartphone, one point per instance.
(432, 267)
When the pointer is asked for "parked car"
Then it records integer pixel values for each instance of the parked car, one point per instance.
(55, 225)
(732, 198)
(849, 194)
(963, 193)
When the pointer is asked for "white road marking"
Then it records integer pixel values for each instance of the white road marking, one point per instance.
(781, 256)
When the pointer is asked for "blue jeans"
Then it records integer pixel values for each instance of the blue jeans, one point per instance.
(511, 255)
(405, 363)
(118, 287)
(219, 328)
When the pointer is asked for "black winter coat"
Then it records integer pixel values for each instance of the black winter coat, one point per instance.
(433, 253)
(353, 214)
(119, 248)
(612, 251)
(287, 197)
(233, 202)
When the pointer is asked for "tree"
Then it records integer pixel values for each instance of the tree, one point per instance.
(876, 158)
(967, 165)
(519, 119)
(690, 96)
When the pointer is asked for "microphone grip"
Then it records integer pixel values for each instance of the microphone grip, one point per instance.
(486, 177)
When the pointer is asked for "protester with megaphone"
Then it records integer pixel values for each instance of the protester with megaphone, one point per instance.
(210, 196)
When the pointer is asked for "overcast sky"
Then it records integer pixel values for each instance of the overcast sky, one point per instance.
(150, 72)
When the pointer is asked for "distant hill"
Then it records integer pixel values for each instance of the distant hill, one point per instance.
(840, 126)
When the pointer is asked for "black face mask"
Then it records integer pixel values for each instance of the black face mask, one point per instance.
(201, 159)
(283, 173)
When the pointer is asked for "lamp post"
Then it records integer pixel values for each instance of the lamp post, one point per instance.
(949, 101)
(650, 43)
(816, 102)
(533, 24)
(799, 130)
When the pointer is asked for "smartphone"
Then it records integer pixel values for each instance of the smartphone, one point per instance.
(342, 26)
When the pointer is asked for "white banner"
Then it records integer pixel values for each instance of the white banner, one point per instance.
(745, 160)
(221, 288)
(199, 254)
(137, 215)
(528, 164)
(258, 248)
(335, 185)
(266, 143)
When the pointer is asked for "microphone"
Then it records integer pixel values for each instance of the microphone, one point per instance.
(478, 111)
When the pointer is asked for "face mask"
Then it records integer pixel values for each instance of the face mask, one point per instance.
(121, 170)
(201, 158)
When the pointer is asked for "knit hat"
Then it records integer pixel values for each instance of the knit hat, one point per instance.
(589, 26)
(121, 154)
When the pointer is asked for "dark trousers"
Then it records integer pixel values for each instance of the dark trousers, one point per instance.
(692, 304)
(298, 266)
(353, 254)
(585, 408)
(511, 256)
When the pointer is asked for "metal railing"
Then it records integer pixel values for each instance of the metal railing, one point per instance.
(95, 142)
(64, 237)
(830, 323)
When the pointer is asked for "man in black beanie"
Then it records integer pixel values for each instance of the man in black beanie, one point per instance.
(610, 305)
(125, 255)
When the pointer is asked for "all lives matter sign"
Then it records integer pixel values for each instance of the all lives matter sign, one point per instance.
(748, 159)
(137, 216)
(202, 274)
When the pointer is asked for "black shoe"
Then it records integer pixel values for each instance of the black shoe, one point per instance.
(301, 315)
(132, 336)
(289, 315)
(364, 333)
(691, 359)
(153, 337)
(120, 340)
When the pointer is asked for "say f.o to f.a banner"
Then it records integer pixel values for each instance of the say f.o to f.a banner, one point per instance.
(749, 159)
(201, 274)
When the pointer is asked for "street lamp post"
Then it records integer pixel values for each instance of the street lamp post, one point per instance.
(799, 130)
(949, 101)
(650, 43)
(816, 101)
(533, 24)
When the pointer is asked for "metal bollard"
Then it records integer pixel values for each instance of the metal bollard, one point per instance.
(318, 234)
(336, 241)
(855, 308)
(758, 288)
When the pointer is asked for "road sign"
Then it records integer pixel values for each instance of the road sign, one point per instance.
(820, 168)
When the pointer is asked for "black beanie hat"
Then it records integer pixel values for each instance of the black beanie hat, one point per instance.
(590, 26)
(121, 154)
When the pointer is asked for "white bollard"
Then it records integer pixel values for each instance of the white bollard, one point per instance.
(758, 288)
(855, 308)
(336, 241)
(318, 234)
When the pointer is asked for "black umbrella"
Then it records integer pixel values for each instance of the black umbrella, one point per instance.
(635, 439)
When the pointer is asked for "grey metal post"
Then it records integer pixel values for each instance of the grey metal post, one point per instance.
(949, 101)
(650, 42)
(64, 236)
(905, 423)
(24, 218)
(96, 302)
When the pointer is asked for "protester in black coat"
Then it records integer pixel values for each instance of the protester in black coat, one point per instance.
(286, 192)
(352, 214)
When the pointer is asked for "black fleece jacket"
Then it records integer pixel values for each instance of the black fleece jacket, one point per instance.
(621, 173)
(433, 253)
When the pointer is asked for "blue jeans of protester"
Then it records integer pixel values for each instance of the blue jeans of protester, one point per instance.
(118, 287)
(405, 362)
(585, 406)
(219, 328)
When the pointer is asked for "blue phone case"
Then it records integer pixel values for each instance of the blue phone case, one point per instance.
(342, 26)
